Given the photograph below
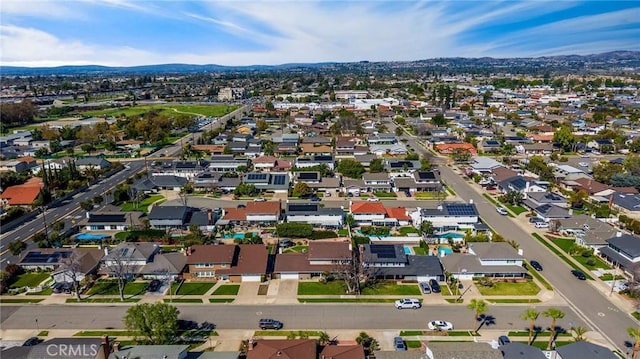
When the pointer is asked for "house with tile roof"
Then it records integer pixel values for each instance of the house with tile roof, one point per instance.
(339, 351)
(322, 256)
(485, 260)
(204, 260)
(368, 212)
(313, 213)
(266, 213)
(282, 349)
(449, 148)
(22, 195)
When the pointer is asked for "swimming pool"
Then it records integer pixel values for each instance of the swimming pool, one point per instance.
(237, 235)
(407, 250)
(444, 250)
(91, 237)
(451, 235)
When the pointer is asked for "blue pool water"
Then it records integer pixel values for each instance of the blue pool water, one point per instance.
(450, 235)
(407, 250)
(236, 235)
(445, 250)
(91, 237)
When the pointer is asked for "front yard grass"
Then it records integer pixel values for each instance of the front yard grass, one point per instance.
(391, 288)
(29, 280)
(195, 288)
(566, 243)
(142, 206)
(227, 289)
(517, 210)
(413, 344)
(316, 288)
(182, 300)
(296, 249)
(420, 251)
(110, 287)
(46, 291)
(411, 333)
(407, 230)
(504, 288)
(559, 253)
(102, 300)
(221, 300)
(343, 232)
(514, 301)
(20, 300)
(346, 300)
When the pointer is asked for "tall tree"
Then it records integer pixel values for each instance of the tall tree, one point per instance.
(72, 270)
(554, 314)
(531, 315)
(565, 138)
(118, 265)
(157, 323)
(478, 307)
(578, 333)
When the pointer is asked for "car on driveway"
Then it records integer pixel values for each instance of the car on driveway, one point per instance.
(439, 325)
(399, 345)
(535, 220)
(424, 286)
(31, 342)
(502, 211)
(435, 287)
(154, 285)
(503, 340)
(408, 303)
(578, 274)
(270, 324)
(536, 265)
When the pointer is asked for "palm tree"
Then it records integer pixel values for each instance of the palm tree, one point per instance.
(634, 333)
(579, 333)
(478, 307)
(531, 315)
(554, 314)
(324, 338)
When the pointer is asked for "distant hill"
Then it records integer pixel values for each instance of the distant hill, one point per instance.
(561, 63)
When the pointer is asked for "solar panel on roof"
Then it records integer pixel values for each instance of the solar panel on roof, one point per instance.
(303, 207)
(308, 175)
(257, 176)
(460, 210)
(323, 158)
(279, 179)
(384, 251)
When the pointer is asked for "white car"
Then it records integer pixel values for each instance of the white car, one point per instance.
(373, 199)
(408, 303)
(584, 164)
(502, 211)
(440, 325)
(260, 199)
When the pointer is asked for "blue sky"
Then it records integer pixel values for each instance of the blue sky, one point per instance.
(237, 32)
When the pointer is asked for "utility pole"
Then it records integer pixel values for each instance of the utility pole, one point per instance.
(44, 219)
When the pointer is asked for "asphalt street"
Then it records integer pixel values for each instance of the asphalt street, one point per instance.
(303, 316)
(595, 309)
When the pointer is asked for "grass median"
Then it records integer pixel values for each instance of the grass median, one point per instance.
(559, 254)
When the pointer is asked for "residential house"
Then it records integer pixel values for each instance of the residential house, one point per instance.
(448, 216)
(249, 264)
(537, 199)
(490, 146)
(165, 217)
(155, 184)
(185, 169)
(389, 261)
(629, 204)
(420, 181)
(485, 259)
(281, 348)
(86, 163)
(450, 148)
(267, 181)
(602, 145)
(549, 212)
(353, 187)
(226, 163)
(404, 166)
(314, 214)
(149, 351)
(522, 185)
(343, 351)
(368, 213)
(377, 182)
(345, 146)
(450, 350)
(517, 350)
(14, 166)
(394, 149)
(109, 221)
(80, 263)
(317, 183)
(484, 165)
(500, 174)
(566, 172)
(588, 232)
(316, 160)
(264, 163)
(365, 159)
(622, 251)
(237, 147)
(584, 350)
(53, 258)
(130, 144)
(322, 257)
(316, 140)
(535, 148)
(264, 213)
(310, 148)
(164, 266)
(204, 260)
(233, 216)
(286, 149)
(129, 257)
(22, 195)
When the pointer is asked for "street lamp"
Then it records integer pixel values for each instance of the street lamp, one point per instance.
(37, 326)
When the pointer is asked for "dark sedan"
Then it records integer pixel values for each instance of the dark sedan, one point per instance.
(536, 265)
(578, 274)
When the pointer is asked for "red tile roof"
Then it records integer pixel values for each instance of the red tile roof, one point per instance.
(235, 214)
(211, 254)
(399, 213)
(449, 147)
(283, 349)
(270, 207)
(265, 159)
(343, 352)
(251, 260)
(367, 208)
(24, 194)
(321, 250)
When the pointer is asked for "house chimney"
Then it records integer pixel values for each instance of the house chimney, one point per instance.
(279, 353)
(116, 347)
(250, 345)
(104, 346)
(618, 234)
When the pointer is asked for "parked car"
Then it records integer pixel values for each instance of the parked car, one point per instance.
(583, 164)
(425, 287)
(435, 287)
(578, 274)
(399, 345)
(286, 243)
(535, 220)
(31, 342)
(502, 211)
(373, 199)
(260, 199)
(270, 324)
(408, 303)
(407, 194)
(503, 340)
(439, 325)
(542, 225)
(154, 285)
(491, 188)
(315, 199)
(536, 265)
(242, 206)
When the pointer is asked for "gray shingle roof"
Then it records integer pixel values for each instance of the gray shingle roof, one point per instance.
(585, 350)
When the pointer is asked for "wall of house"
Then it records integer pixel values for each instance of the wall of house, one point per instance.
(262, 218)
(332, 221)
(368, 217)
(500, 262)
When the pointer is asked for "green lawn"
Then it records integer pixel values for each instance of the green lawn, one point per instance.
(343, 232)
(420, 251)
(20, 300)
(513, 301)
(503, 288)
(385, 194)
(413, 344)
(559, 253)
(566, 243)
(103, 300)
(345, 300)
(142, 206)
(316, 288)
(227, 289)
(427, 195)
(296, 249)
(207, 111)
(411, 333)
(29, 280)
(516, 209)
(221, 300)
(543, 344)
(110, 287)
(406, 230)
(47, 291)
(182, 300)
(195, 288)
(391, 288)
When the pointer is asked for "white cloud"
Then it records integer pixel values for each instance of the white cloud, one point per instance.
(39, 8)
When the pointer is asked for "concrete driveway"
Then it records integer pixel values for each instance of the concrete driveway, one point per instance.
(283, 291)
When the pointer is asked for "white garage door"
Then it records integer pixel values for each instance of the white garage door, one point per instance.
(422, 278)
(289, 276)
(251, 278)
